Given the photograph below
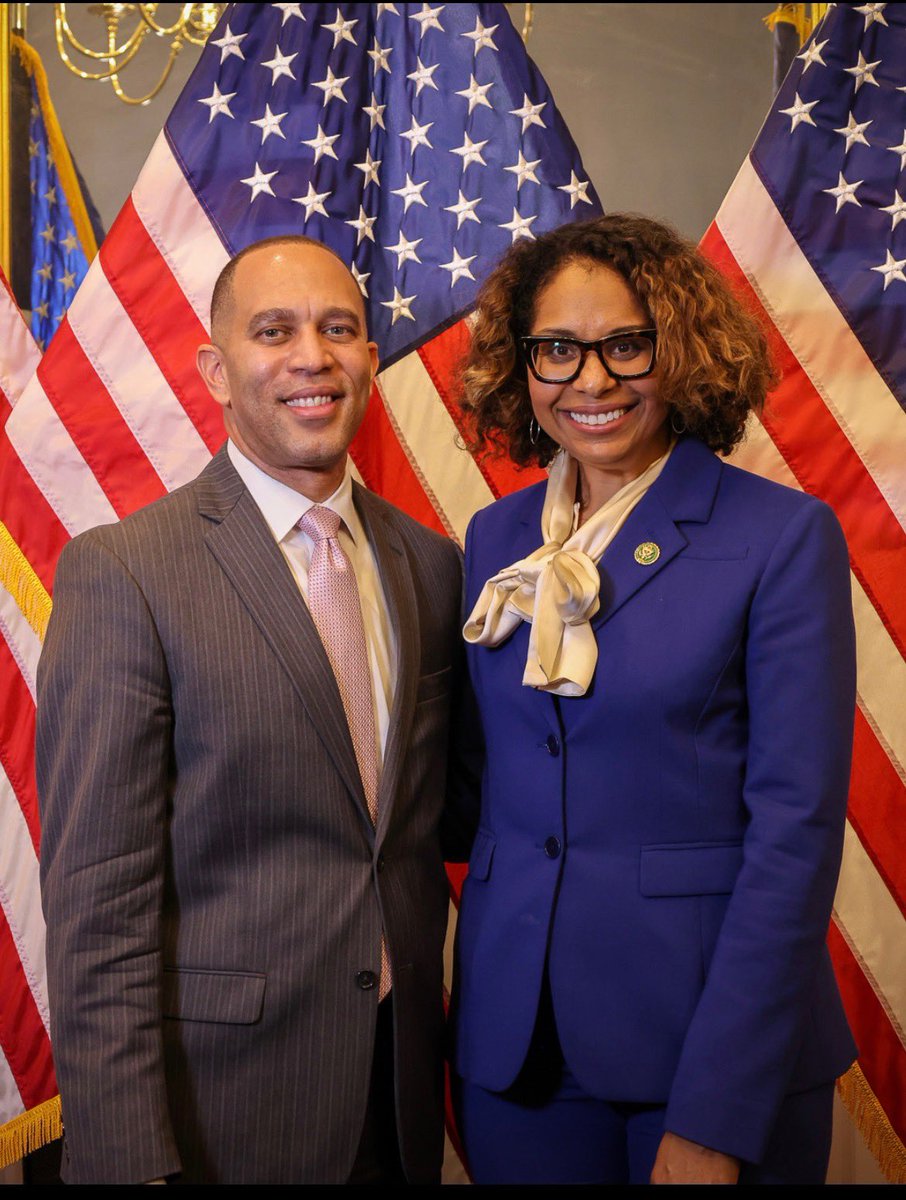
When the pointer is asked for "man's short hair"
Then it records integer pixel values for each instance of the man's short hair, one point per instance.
(222, 295)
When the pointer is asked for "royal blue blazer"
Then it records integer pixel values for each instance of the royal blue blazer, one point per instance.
(670, 842)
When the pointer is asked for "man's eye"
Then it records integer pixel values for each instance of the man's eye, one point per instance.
(271, 333)
(340, 331)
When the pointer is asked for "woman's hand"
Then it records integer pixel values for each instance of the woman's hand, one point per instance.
(682, 1161)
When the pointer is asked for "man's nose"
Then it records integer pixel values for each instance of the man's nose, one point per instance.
(310, 351)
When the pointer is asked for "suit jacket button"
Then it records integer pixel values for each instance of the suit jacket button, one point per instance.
(553, 745)
(366, 980)
(380, 862)
(552, 847)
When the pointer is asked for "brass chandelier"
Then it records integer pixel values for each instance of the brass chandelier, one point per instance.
(193, 25)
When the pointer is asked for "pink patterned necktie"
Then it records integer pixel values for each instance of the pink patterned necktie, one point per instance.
(333, 601)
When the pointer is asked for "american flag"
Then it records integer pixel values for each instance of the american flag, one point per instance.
(419, 141)
(813, 235)
(62, 238)
(29, 1112)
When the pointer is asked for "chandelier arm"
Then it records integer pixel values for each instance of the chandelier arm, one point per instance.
(147, 15)
(137, 100)
(94, 75)
(527, 22)
(197, 39)
(61, 23)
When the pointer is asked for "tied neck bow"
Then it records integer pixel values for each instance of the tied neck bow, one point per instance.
(555, 588)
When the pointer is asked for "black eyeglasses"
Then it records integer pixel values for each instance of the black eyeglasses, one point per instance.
(560, 359)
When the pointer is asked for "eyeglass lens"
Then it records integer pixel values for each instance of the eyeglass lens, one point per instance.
(624, 353)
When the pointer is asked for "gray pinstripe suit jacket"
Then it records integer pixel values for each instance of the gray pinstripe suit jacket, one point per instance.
(212, 882)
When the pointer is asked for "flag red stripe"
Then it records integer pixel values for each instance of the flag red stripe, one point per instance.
(23, 1038)
(92, 420)
(442, 357)
(456, 877)
(17, 740)
(882, 1056)
(877, 801)
(165, 320)
(798, 421)
(384, 467)
(31, 521)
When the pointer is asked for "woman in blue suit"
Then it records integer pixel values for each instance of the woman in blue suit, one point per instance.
(662, 650)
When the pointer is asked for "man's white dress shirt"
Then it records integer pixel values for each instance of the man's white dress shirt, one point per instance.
(282, 508)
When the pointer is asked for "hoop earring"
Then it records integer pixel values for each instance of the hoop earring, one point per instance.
(534, 431)
(677, 423)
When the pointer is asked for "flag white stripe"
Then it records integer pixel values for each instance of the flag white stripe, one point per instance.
(20, 894)
(758, 454)
(431, 434)
(138, 388)
(22, 640)
(178, 226)
(881, 677)
(19, 360)
(53, 461)
(817, 333)
(874, 925)
(11, 1104)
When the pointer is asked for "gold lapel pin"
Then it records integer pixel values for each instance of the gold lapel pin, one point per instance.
(647, 553)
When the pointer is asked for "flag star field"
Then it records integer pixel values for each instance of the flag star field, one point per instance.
(418, 141)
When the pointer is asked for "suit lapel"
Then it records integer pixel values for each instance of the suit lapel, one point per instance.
(243, 545)
(684, 492)
(402, 610)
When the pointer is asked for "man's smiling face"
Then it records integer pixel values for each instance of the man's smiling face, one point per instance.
(291, 364)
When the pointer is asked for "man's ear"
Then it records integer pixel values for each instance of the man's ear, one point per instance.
(375, 362)
(209, 360)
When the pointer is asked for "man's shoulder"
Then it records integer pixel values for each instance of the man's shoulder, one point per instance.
(158, 527)
(425, 542)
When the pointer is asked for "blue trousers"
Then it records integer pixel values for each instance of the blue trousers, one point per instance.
(578, 1139)
(546, 1129)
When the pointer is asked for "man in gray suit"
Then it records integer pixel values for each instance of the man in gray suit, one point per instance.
(242, 875)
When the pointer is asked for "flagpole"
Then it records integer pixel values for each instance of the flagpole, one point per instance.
(5, 143)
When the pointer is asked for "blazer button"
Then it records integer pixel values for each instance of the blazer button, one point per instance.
(552, 847)
(553, 745)
(380, 863)
(366, 980)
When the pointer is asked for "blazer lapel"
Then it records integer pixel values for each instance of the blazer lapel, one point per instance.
(243, 545)
(402, 610)
(684, 492)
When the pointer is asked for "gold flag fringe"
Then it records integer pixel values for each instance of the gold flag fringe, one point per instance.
(30, 1131)
(18, 577)
(872, 1123)
(804, 17)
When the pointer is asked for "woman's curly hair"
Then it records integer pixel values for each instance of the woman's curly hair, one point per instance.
(713, 363)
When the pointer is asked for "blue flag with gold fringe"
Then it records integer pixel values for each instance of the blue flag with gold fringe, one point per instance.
(63, 240)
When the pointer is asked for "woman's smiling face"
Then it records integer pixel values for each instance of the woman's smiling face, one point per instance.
(588, 301)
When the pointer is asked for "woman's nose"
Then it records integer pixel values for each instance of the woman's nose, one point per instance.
(593, 379)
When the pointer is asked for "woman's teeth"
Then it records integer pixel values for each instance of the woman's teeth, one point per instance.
(598, 418)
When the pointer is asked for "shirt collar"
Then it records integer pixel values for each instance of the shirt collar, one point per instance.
(282, 507)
